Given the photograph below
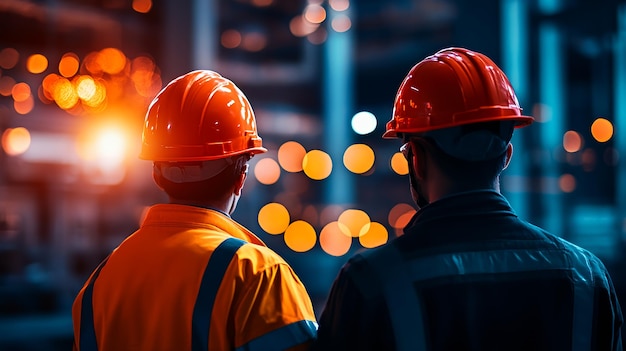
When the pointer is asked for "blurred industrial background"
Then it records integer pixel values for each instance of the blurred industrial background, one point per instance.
(76, 77)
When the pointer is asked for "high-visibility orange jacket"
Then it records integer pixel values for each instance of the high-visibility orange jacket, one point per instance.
(192, 279)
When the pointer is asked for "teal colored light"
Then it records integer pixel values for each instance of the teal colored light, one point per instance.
(338, 81)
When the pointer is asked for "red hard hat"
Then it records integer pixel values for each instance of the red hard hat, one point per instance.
(453, 87)
(199, 116)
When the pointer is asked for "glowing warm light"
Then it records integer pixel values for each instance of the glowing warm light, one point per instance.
(354, 222)
(21, 91)
(339, 5)
(572, 141)
(6, 85)
(376, 235)
(399, 164)
(15, 141)
(567, 183)
(48, 84)
(300, 236)
(300, 27)
(36, 63)
(333, 241)
(110, 146)
(267, 171)
(314, 13)
(25, 106)
(231, 39)
(291, 155)
(68, 66)
(341, 23)
(364, 122)
(602, 130)
(400, 214)
(317, 164)
(90, 91)
(273, 218)
(9, 58)
(254, 41)
(142, 6)
(64, 94)
(111, 60)
(358, 158)
(85, 87)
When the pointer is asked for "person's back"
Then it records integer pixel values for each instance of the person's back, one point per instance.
(467, 274)
(192, 278)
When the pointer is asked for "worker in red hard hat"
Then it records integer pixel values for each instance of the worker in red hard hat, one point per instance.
(192, 278)
(467, 274)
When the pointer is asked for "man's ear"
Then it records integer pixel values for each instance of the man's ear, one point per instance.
(419, 160)
(241, 180)
(509, 154)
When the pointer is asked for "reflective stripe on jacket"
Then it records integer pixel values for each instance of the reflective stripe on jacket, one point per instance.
(184, 281)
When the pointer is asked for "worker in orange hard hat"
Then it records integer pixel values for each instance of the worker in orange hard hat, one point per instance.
(467, 274)
(192, 278)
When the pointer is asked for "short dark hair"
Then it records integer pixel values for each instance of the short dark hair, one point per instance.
(482, 172)
(216, 187)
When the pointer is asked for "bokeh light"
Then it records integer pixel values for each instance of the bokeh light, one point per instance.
(6, 85)
(333, 241)
(21, 91)
(358, 158)
(317, 164)
(399, 164)
(64, 94)
(400, 214)
(375, 236)
(142, 6)
(15, 141)
(273, 218)
(314, 13)
(111, 60)
(36, 63)
(339, 5)
(353, 222)
(291, 155)
(9, 58)
(341, 23)
(363, 122)
(25, 106)
(602, 130)
(572, 141)
(567, 183)
(254, 41)
(267, 171)
(300, 236)
(231, 38)
(300, 27)
(68, 65)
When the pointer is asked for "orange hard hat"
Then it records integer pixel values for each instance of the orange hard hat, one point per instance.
(199, 116)
(453, 87)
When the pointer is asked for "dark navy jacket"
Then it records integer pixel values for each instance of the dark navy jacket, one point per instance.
(468, 274)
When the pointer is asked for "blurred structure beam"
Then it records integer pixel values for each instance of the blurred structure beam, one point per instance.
(551, 90)
(338, 87)
(514, 46)
(205, 34)
(619, 62)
